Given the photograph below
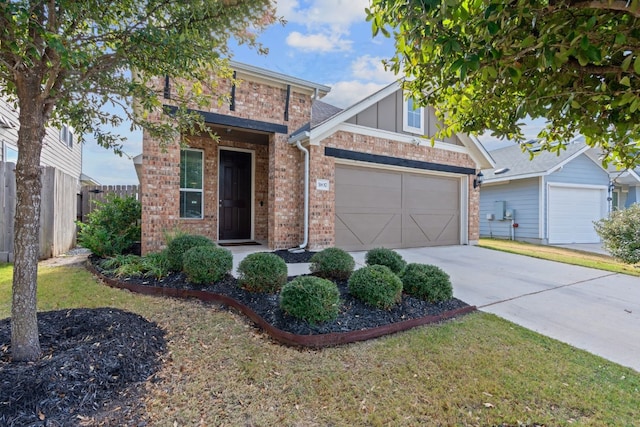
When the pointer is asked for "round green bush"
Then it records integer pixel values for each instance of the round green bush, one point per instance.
(311, 298)
(112, 227)
(332, 263)
(620, 234)
(426, 282)
(262, 272)
(384, 256)
(180, 245)
(207, 264)
(377, 286)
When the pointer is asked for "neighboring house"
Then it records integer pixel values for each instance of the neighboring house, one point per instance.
(550, 199)
(625, 187)
(62, 165)
(290, 170)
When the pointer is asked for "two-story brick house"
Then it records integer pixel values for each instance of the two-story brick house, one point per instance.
(289, 170)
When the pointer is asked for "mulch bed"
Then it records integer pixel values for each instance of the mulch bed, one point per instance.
(94, 364)
(95, 361)
(354, 315)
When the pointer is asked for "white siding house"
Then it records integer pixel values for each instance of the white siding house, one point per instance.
(62, 166)
(550, 199)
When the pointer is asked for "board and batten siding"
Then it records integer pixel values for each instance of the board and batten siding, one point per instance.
(522, 196)
(387, 115)
(55, 152)
(580, 171)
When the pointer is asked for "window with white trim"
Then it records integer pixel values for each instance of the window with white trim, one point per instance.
(412, 117)
(191, 183)
(66, 136)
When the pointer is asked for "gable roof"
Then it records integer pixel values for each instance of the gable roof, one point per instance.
(329, 120)
(519, 165)
(321, 111)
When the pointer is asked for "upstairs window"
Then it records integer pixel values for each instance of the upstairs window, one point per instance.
(412, 118)
(66, 136)
(191, 175)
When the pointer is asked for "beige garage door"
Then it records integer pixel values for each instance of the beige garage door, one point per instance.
(380, 208)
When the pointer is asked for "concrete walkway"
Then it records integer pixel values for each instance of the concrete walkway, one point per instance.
(589, 309)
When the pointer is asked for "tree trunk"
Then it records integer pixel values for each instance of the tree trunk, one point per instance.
(25, 343)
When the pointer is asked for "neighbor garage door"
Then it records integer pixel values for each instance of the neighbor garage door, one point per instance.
(381, 208)
(572, 211)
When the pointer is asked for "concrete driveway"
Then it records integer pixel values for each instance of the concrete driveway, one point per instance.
(590, 309)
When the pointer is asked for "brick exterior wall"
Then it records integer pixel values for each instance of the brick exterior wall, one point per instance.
(279, 174)
(278, 171)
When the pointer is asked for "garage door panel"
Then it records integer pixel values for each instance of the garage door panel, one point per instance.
(360, 231)
(572, 211)
(377, 208)
(431, 229)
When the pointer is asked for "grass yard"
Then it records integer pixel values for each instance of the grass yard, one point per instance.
(567, 256)
(477, 370)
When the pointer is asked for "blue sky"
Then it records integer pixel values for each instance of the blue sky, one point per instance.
(324, 41)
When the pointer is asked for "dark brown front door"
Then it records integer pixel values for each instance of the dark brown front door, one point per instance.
(235, 195)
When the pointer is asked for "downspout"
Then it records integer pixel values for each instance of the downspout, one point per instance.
(297, 141)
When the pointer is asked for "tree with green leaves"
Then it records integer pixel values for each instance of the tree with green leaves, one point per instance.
(64, 61)
(489, 65)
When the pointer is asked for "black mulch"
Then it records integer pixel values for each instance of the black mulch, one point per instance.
(294, 257)
(354, 315)
(94, 364)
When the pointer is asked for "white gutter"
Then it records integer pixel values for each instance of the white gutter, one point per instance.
(297, 141)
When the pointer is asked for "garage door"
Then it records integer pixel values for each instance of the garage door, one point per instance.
(379, 208)
(572, 211)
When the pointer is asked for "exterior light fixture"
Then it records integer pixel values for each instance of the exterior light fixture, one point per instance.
(477, 181)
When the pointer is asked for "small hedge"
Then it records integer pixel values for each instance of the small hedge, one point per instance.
(311, 298)
(113, 227)
(262, 272)
(180, 245)
(427, 282)
(384, 256)
(332, 263)
(207, 264)
(377, 286)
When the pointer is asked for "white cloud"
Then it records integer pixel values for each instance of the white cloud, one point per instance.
(318, 42)
(346, 93)
(370, 68)
(326, 22)
(337, 14)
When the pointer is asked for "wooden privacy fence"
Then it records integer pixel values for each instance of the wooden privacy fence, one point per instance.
(7, 209)
(57, 211)
(92, 193)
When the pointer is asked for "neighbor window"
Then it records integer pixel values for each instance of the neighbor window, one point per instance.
(10, 155)
(413, 118)
(66, 136)
(191, 173)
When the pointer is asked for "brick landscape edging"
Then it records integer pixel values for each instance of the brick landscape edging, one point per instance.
(288, 338)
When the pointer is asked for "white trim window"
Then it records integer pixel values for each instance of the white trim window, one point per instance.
(412, 117)
(191, 183)
(66, 136)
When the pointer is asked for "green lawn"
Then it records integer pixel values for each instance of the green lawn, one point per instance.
(567, 256)
(477, 370)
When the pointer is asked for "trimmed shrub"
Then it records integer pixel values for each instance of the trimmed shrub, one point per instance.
(180, 245)
(620, 234)
(262, 272)
(311, 298)
(377, 286)
(113, 227)
(207, 264)
(332, 263)
(384, 256)
(426, 282)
